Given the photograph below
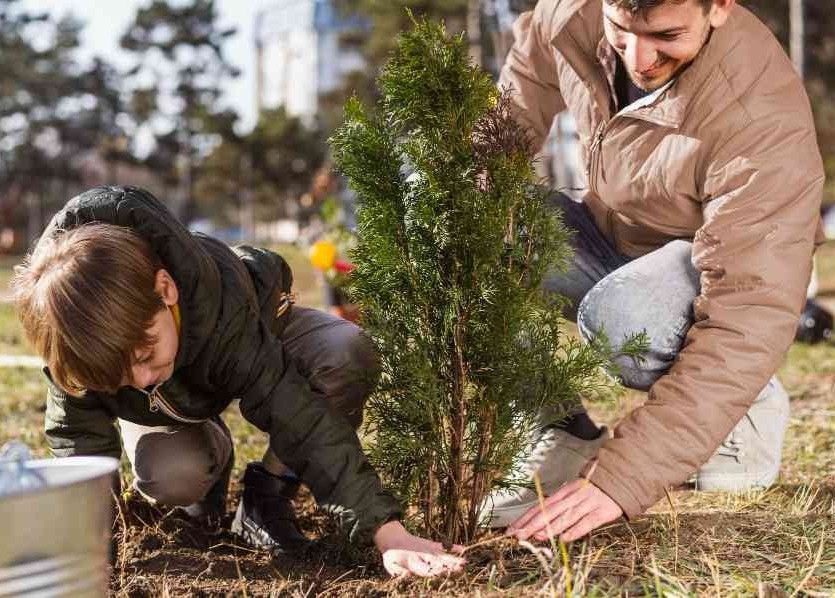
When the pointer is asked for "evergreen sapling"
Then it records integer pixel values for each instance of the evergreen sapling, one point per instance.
(454, 240)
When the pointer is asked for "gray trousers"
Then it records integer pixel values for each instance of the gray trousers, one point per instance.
(178, 464)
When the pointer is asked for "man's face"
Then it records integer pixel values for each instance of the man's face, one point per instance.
(657, 44)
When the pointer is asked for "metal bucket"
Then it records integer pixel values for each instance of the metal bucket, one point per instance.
(55, 541)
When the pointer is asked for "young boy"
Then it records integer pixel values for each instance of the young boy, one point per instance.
(140, 321)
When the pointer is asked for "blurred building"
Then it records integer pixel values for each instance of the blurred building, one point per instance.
(300, 55)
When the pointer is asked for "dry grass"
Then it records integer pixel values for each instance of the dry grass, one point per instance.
(779, 542)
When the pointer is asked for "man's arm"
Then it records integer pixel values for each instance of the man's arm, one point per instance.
(754, 253)
(531, 72)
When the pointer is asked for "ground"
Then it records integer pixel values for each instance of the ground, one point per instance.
(780, 542)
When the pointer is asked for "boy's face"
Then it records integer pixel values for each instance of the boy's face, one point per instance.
(155, 364)
(655, 45)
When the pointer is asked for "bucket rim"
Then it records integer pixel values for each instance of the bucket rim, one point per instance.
(87, 468)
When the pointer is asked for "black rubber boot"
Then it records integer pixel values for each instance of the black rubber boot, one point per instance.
(266, 517)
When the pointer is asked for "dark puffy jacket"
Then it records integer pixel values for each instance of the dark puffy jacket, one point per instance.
(228, 349)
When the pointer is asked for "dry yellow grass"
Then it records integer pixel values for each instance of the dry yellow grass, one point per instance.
(779, 542)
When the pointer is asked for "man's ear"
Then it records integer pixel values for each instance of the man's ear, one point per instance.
(720, 10)
(166, 288)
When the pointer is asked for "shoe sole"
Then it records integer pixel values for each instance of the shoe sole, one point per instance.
(501, 518)
(250, 533)
(719, 482)
(580, 451)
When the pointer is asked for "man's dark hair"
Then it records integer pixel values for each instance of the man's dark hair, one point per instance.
(641, 6)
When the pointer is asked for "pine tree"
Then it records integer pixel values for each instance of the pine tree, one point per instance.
(454, 240)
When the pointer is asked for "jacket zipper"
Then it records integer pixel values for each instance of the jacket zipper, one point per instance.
(596, 156)
(596, 153)
(596, 159)
(156, 402)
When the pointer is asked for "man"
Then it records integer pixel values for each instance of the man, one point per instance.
(698, 226)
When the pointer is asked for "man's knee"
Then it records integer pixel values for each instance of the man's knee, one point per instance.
(176, 468)
(652, 296)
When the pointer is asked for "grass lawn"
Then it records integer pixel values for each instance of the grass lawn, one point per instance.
(779, 542)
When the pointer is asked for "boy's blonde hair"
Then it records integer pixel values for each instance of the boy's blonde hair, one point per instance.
(86, 299)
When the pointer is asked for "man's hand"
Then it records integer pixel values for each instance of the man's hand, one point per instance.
(405, 554)
(570, 513)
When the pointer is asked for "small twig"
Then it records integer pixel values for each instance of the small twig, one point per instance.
(540, 553)
(120, 554)
(241, 578)
(674, 517)
(485, 543)
(587, 476)
(565, 563)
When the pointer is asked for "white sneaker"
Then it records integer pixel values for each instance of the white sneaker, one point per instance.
(557, 457)
(750, 456)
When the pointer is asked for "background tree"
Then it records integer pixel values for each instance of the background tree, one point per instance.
(269, 168)
(820, 67)
(177, 84)
(53, 112)
(448, 269)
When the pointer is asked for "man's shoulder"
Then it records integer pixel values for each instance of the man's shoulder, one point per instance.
(752, 65)
(584, 17)
(742, 78)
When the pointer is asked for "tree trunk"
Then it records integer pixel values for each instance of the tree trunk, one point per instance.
(458, 421)
(798, 34)
(474, 30)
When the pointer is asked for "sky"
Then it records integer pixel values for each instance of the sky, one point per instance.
(106, 20)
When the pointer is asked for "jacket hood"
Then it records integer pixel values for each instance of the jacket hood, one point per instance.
(197, 277)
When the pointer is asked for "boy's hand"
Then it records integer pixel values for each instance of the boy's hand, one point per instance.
(405, 554)
(570, 513)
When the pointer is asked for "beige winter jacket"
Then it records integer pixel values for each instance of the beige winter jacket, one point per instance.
(725, 156)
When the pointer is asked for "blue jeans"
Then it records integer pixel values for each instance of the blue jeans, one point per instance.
(620, 296)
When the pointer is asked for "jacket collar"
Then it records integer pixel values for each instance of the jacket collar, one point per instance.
(577, 28)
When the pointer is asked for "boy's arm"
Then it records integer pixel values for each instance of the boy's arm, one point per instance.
(79, 425)
(316, 443)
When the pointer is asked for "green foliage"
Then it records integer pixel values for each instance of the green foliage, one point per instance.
(454, 240)
(275, 162)
(52, 109)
